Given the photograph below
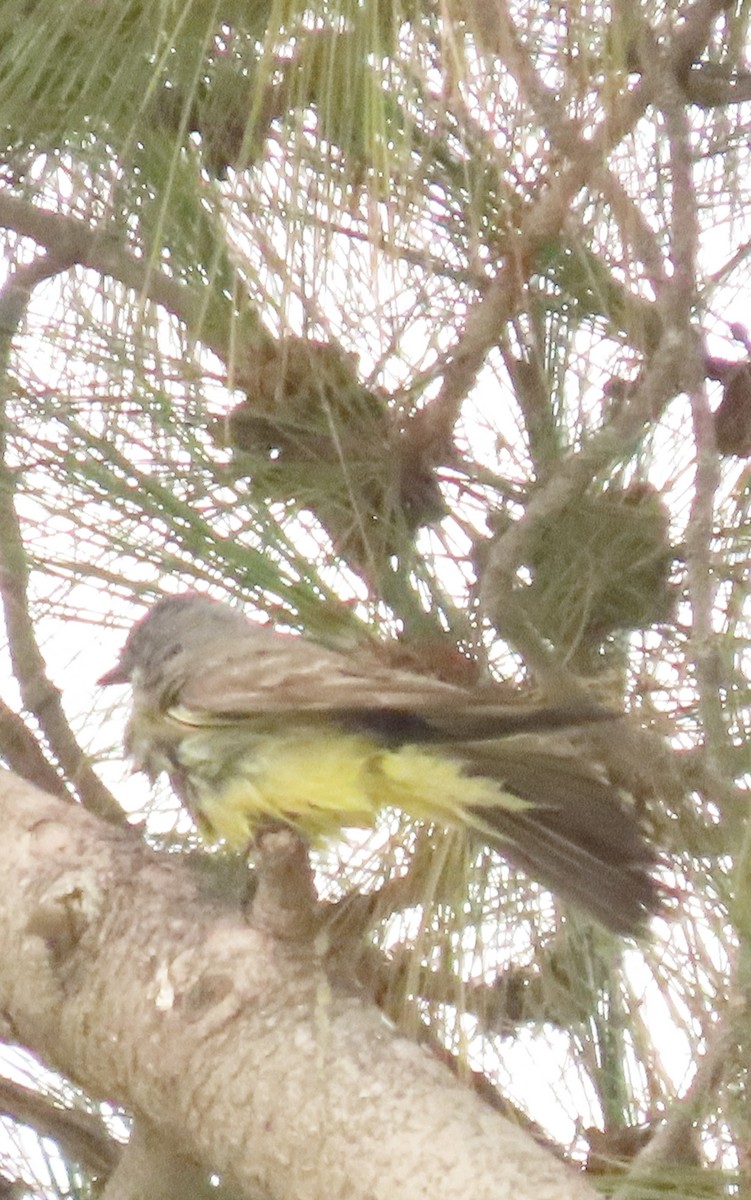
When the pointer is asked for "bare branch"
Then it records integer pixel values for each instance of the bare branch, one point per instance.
(150, 1166)
(72, 241)
(113, 971)
(39, 695)
(24, 755)
(81, 1136)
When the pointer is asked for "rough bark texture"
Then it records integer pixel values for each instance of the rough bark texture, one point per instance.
(118, 973)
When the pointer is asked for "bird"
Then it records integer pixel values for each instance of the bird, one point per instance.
(254, 726)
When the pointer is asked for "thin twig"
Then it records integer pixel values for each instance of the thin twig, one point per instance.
(39, 695)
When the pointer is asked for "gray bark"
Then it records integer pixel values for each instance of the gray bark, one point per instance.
(118, 973)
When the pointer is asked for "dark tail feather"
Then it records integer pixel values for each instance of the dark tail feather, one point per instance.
(577, 837)
(478, 722)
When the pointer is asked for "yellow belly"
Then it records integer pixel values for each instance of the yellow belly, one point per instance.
(321, 781)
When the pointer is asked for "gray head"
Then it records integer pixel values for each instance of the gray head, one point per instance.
(172, 625)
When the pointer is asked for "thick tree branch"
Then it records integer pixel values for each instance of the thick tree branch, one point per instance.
(114, 972)
(150, 1167)
(81, 1136)
(23, 754)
